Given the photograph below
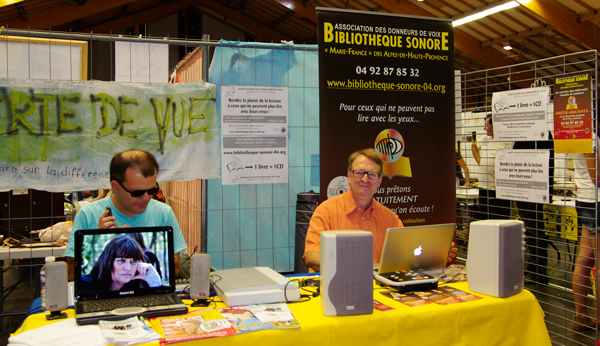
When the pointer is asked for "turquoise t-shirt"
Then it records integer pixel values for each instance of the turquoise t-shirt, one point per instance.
(156, 214)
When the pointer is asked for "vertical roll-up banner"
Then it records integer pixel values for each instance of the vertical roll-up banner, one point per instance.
(387, 81)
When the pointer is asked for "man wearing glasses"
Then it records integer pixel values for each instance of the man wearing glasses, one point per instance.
(356, 209)
(133, 181)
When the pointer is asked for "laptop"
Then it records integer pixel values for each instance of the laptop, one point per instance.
(416, 247)
(116, 278)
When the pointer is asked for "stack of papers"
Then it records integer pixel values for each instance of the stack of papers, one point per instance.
(127, 332)
(56, 333)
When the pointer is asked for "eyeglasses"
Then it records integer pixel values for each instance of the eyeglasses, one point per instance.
(140, 193)
(360, 174)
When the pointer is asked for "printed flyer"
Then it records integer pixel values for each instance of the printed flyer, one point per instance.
(254, 134)
(573, 113)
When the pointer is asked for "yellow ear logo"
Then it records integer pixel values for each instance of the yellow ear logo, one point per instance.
(391, 145)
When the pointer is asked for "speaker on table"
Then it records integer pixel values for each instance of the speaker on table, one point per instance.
(56, 288)
(346, 273)
(495, 257)
(200, 276)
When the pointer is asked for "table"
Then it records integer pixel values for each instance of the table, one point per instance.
(9, 253)
(516, 320)
(468, 196)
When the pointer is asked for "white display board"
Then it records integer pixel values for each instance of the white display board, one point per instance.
(37, 58)
(138, 62)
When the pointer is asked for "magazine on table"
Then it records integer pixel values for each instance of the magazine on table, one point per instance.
(199, 324)
(252, 318)
(443, 295)
(127, 332)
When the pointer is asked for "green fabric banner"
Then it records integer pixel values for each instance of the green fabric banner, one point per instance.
(61, 135)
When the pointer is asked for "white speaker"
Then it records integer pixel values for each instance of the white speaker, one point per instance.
(346, 273)
(495, 257)
(56, 287)
(200, 276)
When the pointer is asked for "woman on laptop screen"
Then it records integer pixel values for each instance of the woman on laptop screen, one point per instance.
(149, 256)
(121, 267)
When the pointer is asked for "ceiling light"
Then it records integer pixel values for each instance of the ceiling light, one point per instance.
(507, 47)
(8, 2)
(485, 13)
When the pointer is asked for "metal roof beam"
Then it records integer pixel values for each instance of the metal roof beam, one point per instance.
(521, 34)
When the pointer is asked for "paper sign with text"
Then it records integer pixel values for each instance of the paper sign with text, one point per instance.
(254, 130)
(521, 115)
(522, 175)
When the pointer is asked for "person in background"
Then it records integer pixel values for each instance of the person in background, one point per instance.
(588, 212)
(356, 209)
(81, 195)
(461, 164)
(102, 193)
(133, 176)
(489, 206)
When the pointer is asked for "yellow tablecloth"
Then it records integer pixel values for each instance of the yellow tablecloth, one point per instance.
(517, 320)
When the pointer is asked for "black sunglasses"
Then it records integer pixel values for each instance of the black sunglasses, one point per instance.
(140, 193)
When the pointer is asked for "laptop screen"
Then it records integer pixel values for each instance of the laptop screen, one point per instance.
(118, 262)
(416, 247)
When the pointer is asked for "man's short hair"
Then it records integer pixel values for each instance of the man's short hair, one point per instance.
(132, 158)
(371, 153)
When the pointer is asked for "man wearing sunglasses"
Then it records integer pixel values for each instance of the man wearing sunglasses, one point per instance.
(356, 209)
(133, 176)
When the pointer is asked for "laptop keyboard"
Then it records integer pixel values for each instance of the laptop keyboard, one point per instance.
(406, 275)
(108, 305)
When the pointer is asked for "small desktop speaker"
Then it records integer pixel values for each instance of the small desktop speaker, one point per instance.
(200, 276)
(495, 257)
(56, 283)
(346, 273)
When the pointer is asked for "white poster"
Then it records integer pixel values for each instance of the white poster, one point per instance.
(254, 131)
(138, 62)
(522, 175)
(521, 115)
